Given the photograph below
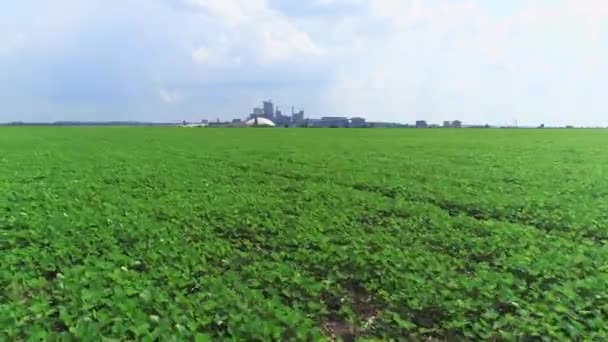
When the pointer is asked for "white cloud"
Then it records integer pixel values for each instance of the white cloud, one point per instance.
(387, 59)
(285, 44)
(230, 12)
(454, 60)
(201, 56)
(250, 30)
(395, 9)
(43, 25)
(220, 53)
(11, 42)
(170, 96)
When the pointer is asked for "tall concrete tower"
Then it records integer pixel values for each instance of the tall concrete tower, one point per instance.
(269, 109)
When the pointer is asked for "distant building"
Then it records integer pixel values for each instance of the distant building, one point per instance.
(268, 110)
(236, 121)
(272, 113)
(260, 122)
(257, 113)
(311, 123)
(358, 122)
(333, 122)
(457, 124)
(447, 124)
(421, 124)
(280, 119)
(298, 118)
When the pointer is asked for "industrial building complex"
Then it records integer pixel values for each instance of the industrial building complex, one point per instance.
(274, 115)
(269, 115)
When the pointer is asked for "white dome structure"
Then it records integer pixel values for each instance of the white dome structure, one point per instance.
(260, 122)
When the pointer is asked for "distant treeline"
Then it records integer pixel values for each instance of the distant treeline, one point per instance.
(89, 123)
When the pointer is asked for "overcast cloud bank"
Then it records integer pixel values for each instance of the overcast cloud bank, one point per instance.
(537, 61)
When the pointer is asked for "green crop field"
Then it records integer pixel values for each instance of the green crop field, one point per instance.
(303, 234)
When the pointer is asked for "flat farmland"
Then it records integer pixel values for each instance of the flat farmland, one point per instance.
(303, 234)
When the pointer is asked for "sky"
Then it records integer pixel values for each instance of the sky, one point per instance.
(478, 61)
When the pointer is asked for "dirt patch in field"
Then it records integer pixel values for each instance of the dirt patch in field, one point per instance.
(362, 303)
